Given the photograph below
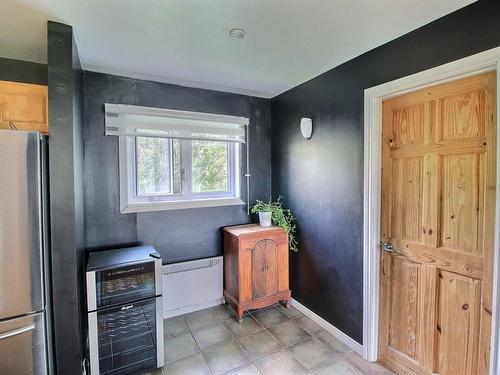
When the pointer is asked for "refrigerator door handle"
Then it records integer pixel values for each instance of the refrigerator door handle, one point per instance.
(16, 332)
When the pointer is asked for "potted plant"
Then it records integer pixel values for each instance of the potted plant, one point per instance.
(265, 211)
(273, 212)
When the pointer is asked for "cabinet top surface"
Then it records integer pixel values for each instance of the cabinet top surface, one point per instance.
(248, 229)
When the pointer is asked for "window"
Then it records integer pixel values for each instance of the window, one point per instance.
(181, 173)
(183, 170)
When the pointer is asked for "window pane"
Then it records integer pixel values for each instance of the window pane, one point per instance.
(156, 170)
(210, 166)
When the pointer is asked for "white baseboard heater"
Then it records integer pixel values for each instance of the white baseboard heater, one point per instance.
(191, 286)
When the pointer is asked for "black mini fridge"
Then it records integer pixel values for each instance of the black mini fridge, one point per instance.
(125, 311)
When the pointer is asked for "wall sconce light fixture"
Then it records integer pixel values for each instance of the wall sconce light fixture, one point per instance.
(306, 127)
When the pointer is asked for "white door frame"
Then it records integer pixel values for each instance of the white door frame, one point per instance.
(475, 64)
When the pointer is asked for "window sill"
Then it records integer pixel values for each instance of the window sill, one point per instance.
(180, 205)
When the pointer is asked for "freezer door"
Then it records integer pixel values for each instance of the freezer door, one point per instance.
(21, 286)
(22, 346)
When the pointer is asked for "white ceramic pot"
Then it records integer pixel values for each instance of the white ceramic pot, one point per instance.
(265, 219)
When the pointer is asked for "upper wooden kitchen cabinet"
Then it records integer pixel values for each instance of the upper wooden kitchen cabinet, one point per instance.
(23, 107)
(255, 267)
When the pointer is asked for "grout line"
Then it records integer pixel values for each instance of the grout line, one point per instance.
(300, 364)
(349, 352)
(272, 325)
(197, 345)
(248, 356)
(338, 358)
(336, 355)
(264, 355)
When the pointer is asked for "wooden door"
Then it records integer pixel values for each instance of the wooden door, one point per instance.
(23, 107)
(264, 269)
(438, 208)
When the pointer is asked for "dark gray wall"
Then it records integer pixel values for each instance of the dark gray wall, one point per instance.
(66, 197)
(322, 179)
(23, 71)
(177, 235)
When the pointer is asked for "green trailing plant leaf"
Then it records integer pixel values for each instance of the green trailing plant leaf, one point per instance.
(281, 217)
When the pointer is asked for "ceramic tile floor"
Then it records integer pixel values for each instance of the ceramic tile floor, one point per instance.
(274, 340)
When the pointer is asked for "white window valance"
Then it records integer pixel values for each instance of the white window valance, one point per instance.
(131, 120)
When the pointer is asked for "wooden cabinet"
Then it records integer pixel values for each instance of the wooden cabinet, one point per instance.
(255, 267)
(23, 107)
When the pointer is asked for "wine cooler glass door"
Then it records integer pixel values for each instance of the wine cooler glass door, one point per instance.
(126, 338)
(123, 284)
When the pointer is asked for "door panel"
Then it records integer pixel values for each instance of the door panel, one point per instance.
(271, 268)
(407, 190)
(23, 107)
(438, 207)
(460, 202)
(124, 338)
(265, 268)
(21, 286)
(22, 345)
(259, 269)
(404, 315)
(462, 115)
(406, 125)
(458, 324)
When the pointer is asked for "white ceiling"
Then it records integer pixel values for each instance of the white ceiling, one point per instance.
(186, 41)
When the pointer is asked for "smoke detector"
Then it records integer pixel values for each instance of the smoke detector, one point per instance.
(237, 33)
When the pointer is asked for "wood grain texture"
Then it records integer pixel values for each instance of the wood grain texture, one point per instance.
(23, 106)
(262, 264)
(460, 202)
(231, 265)
(259, 261)
(404, 314)
(443, 258)
(438, 202)
(488, 222)
(407, 127)
(272, 272)
(462, 115)
(407, 191)
(244, 283)
(458, 324)
(428, 316)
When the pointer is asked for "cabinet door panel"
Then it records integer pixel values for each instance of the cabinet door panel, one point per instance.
(259, 269)
(23, 107)
(271, 268)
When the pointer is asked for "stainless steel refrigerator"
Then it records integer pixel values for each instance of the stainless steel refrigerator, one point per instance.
(24, 344)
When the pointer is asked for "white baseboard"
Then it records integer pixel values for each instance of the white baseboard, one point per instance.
(332, 330)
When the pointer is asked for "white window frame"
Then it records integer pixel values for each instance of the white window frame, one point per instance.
(131, 202)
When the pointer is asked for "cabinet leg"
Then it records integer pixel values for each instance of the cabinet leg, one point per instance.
(239, 315)
(287, 303)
